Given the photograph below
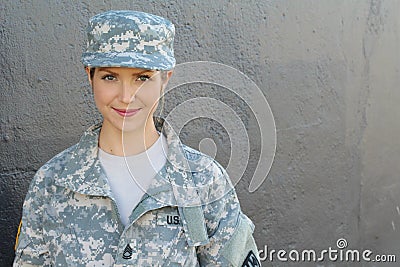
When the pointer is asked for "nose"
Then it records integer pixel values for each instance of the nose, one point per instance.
(127, 93)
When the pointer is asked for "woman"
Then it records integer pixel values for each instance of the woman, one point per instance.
(129, 193)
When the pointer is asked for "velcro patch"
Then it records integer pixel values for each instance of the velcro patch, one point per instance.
(251, 260)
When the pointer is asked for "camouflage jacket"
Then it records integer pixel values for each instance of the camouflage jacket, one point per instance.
(190, 215)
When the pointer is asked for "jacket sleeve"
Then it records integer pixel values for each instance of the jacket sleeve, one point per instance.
(230, 232)
(31, 249)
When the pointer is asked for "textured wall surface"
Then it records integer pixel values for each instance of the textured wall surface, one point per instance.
(330, 72)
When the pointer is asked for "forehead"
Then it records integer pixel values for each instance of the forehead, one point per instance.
(125, 70)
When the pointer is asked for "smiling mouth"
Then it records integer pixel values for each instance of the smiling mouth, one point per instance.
(127, 112)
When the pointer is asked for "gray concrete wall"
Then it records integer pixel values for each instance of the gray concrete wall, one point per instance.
(329, 69)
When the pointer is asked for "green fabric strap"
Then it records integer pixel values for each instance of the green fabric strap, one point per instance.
(194, 225)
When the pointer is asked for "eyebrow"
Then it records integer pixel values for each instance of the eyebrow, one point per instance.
(114, 73)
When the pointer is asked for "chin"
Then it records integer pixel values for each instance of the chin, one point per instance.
(131, 127)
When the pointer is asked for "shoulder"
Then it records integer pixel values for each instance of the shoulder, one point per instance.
(200, 162)
(45, 174)
(76, 152)
(206, 170)
(57, 162)
(210, 178)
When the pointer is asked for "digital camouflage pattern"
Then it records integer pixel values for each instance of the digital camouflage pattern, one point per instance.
(190, 216)
(127, 38)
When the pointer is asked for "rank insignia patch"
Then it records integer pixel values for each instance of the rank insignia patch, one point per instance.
(251, 260)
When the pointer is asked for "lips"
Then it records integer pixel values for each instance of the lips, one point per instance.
(127, 112)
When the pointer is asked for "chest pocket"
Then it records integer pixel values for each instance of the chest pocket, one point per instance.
(79, 229)
(157, 227)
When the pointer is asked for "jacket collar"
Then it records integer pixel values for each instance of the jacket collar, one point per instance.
(173, 185)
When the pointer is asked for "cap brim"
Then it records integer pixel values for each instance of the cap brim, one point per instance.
(154, 61)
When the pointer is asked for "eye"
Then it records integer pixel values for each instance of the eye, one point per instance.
(108, 77)
(143, 78)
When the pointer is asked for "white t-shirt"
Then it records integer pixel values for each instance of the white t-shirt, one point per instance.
(130, 177)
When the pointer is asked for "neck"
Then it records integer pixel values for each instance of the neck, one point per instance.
(127, 143)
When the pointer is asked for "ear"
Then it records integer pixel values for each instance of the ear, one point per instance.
(87, 69)
(169, 75)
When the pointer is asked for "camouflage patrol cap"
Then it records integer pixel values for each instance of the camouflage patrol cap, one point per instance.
(127, 38)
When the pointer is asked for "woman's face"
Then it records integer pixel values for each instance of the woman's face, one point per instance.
(127, 97)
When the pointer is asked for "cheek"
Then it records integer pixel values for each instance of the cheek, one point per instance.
(149, 94)
(102, 96)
